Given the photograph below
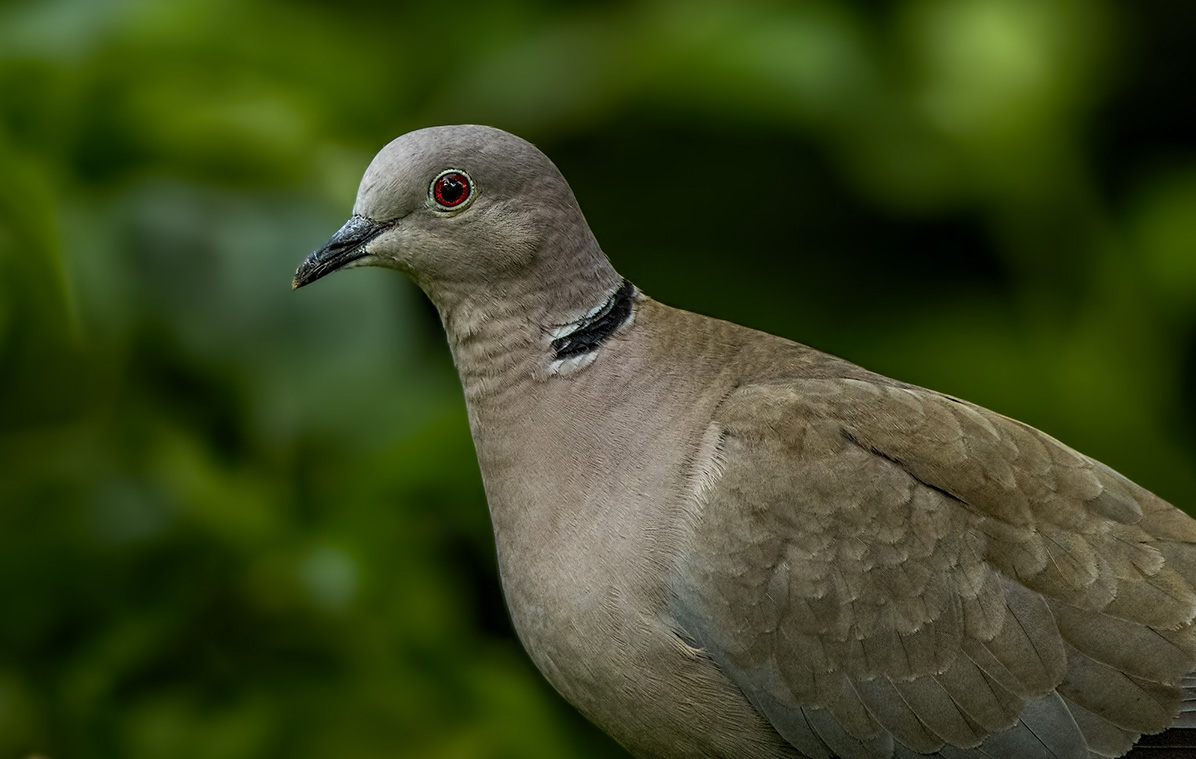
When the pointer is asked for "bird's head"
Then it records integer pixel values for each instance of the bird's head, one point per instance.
(462, 207)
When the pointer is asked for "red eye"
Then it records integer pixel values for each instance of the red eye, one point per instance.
(451, 189)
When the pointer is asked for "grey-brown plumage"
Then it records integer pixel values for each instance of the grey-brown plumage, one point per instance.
(718, 543)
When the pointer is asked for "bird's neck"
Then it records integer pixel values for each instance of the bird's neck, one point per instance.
(507, 334)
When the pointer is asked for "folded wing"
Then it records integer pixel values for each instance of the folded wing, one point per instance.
(887, 571)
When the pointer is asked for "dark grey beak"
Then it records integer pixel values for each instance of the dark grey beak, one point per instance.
(345, 247)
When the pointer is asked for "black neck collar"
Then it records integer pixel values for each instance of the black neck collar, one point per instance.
(590, 332)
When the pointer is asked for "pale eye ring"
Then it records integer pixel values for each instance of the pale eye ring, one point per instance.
(451, 190)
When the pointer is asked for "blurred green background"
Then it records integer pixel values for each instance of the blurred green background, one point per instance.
(237, 521)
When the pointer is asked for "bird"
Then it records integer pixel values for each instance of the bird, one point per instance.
(718, 543)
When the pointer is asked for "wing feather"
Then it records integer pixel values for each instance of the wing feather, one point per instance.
(886, 571)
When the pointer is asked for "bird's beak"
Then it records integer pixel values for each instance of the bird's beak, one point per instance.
(345, 247)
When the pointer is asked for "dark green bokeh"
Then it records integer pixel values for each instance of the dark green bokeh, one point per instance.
(238, 522)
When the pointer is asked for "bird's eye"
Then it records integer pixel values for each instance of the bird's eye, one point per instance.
(451, 189)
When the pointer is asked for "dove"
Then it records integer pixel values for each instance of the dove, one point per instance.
(718, 543)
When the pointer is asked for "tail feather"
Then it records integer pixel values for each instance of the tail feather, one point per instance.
(1175, 743)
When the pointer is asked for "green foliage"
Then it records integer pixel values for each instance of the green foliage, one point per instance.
(240, 522)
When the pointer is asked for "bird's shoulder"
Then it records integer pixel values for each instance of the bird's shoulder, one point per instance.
(985, 463)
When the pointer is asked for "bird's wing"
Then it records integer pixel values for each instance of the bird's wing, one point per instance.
(887, 571)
